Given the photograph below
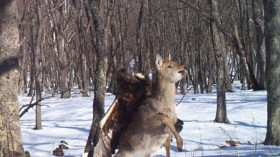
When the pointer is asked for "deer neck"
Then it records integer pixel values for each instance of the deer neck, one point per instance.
(164, 91)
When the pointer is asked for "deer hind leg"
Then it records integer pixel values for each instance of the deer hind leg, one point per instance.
(167, 146)
(167, 121)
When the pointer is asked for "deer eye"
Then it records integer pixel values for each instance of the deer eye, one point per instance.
(170, 66)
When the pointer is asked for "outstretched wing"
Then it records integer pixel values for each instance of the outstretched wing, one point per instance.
(103, 146)
(109, 115)
(131, 91)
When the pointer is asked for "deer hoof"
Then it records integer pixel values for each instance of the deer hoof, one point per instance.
(180, 145)
(180, 149)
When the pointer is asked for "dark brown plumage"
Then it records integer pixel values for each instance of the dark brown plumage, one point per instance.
(131, 91)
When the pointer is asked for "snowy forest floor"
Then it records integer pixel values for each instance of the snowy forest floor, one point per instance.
(70, 120)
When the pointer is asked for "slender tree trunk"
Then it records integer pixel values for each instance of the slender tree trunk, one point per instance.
(83, 81)
(38, 118)
(84, 71)
(219, 49)
(210, 70)
(10, 139)
(38, 91)
(248, 70)
(140, 63)
(272, 35)
(65, 89)
(260, 54)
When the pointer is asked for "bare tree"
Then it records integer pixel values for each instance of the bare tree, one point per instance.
(219, 51)
(10, 139)
(101, 15)
(272, 34)
(257, 14)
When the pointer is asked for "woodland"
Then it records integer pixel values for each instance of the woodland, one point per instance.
(60, 41)
(66, 44)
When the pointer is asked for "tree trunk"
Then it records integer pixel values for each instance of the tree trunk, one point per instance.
(140, 61)
(102, 33)
(38, 118)
(219, 49)
(65, 89)
(10, 139)
(209, 70)
(260, 54)
(38, 90)
(35, 63)
(248, 70)
(83, 81)
(84, 70)
(272, 35)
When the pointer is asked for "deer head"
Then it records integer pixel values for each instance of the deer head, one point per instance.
(170, 70)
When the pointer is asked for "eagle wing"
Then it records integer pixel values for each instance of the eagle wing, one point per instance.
(131, 91)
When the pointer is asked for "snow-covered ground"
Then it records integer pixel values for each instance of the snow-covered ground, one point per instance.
(70, 120)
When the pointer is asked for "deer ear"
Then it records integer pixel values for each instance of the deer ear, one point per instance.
(158, 61)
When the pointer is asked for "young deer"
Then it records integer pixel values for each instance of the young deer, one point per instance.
(154, 121)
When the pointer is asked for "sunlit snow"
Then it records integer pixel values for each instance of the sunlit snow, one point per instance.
(70, 120)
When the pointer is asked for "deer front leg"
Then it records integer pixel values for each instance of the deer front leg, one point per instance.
(167, 121)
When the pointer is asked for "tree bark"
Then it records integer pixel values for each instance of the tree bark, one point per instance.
(248, 70)
(10, 139)
(101, 26)
(84, 77)
(219, 49)
(260, 53)
(272, 42)
(140, 58)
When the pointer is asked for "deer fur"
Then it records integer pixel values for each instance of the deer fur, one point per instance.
(154, 121)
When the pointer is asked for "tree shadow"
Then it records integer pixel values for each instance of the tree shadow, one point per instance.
(248, 125)
(8, 64)
(3, 4)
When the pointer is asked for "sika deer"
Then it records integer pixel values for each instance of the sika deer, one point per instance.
(154, 121)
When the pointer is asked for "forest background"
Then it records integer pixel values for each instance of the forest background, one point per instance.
(81, 43)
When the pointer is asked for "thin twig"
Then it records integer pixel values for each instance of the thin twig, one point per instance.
(188, 89)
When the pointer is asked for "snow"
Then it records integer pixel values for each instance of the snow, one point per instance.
(70, 120)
